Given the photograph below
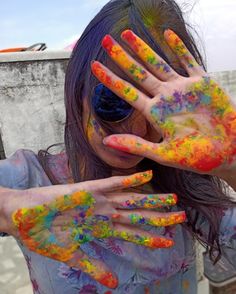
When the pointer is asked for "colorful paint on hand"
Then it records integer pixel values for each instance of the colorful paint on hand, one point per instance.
(138, 179)
(35, 226)
(151, 242)
(144, 52)
(116, 85)
(207, 146)
(150, 201)
(97, 272)
(118, 54)
(30, 221)
(201, 150)
(179, 48)
(159, 221)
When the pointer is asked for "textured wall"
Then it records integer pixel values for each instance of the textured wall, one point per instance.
(31, 103)
(31, 99)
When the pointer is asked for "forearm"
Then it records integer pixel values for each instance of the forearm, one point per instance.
(3, 219)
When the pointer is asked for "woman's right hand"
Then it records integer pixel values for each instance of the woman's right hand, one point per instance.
(55, 226)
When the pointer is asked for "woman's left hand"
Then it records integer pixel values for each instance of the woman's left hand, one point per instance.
(195, 117)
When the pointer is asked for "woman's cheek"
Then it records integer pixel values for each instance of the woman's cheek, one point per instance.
(94, 131)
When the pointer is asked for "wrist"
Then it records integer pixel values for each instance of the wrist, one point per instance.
(6, 198)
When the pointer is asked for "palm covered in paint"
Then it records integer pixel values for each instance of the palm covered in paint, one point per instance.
(193, 114)
(56, 226)
(198, 125)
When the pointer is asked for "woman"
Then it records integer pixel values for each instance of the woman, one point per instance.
(164, 114)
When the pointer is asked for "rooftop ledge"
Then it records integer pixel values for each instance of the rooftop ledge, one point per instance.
(34, 55)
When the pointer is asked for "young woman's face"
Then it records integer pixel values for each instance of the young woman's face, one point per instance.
(137, 125)
(136, 122)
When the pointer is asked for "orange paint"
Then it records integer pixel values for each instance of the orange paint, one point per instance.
(116, 85)
(118, 54)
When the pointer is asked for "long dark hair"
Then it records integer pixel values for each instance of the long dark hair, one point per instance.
(202, 196)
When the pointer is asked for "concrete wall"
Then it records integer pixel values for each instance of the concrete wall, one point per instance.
(31, 99)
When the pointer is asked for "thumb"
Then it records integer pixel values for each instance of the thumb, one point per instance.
(134, 145)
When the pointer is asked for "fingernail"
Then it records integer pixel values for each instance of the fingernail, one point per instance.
(168, 32)
(100, 73)
(159, 242)
(171, 199)
(95, 65)
(105, 278)
(116, 216)
(107, 43)
(109, 281)
(105, 140)
(175, 197)
(128, 35)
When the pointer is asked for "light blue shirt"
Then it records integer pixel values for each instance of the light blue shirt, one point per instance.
(139, 269)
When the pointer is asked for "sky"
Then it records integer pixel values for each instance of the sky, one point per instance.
(59, 22)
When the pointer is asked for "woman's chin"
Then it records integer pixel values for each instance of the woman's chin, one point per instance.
(126, 161)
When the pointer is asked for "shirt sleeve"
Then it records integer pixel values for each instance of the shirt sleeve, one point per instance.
(12, 171)
(22, 171)
(228, 236)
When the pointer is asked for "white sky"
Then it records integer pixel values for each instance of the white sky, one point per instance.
(215, 21)
(59, 22)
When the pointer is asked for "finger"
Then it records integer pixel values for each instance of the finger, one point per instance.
(186, 58)
(130, 66)
(81, 199)
(123, 182)
(117, 182)
(188, 152)
(134, 145)
(140, 237)
(154, 62)
(72, 197)
(95, 268)
(166, 153)
(120, 87)
(134, 200)
(152, 218)
(178, 152)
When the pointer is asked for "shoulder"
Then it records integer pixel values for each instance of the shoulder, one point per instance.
(22, 170)
(57, 167)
